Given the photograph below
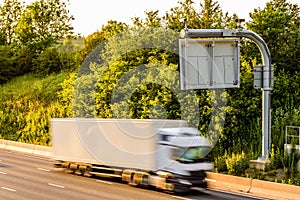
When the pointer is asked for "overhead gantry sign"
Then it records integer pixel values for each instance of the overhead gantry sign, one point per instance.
(210, 59)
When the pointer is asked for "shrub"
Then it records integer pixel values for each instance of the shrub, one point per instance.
(7, 68)
(220, 163)
(48, 62)
(237, 163)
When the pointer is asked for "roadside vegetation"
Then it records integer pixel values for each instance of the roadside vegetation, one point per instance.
(39, 63)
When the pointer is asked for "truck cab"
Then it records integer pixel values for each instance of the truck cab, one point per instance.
(182, 152)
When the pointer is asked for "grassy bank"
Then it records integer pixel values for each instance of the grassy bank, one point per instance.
(26, 105)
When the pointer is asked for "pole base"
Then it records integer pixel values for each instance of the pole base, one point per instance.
(259, 164)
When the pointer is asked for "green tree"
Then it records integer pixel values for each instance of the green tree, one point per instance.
(153, 20)
(48, 62)
(242, 132)
(139, 58)
(95, 39)
(70, 53)
(278, 24)
(185, 10)
(211, 15)
(25, 57)
(7, 60)
(10, 13)
(43, 23)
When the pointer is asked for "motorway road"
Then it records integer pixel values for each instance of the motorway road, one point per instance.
(31, 177)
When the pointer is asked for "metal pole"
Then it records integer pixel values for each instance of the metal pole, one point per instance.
(299, 136)
(267, 73)
(266, 91)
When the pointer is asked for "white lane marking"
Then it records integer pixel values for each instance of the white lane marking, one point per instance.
(210, 180)
(9, 189)
(183, 198)
(55, 185)
(45, 170)
(3, 173)
(106, 182)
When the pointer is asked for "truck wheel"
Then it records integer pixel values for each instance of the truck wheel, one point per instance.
(79, 171)
(87, 171)
(71, 168)
(145, 180)
(132, 180)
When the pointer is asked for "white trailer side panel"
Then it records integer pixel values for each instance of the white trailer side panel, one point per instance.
(123, 143)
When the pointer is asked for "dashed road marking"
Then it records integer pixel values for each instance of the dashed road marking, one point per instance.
(106, 182)
(183, 198)
(45, 170)
(8, 189)
(55, 185)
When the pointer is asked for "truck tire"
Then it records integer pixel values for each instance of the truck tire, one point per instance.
(132, 181)
(180, 189)
(146, 180)
(70, 169)
(80, 169)
(87, 171)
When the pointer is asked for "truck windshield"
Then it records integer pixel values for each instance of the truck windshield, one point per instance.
(191, 154)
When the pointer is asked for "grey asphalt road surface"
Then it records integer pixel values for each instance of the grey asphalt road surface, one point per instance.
(31, 177)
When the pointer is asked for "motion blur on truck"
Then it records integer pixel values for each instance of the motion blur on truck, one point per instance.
(161, 154)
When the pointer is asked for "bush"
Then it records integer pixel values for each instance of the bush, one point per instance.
(237, 163)
(7, 68)
(220, 163)
(24, 60)
(48, 62)
(234, 164)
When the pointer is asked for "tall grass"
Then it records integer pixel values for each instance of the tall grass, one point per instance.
(26, 105)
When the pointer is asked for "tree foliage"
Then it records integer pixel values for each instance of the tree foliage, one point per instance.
(10, 13)
(278, 24)
(7, 62)
(212, 15)
(109, 30)
(43, 23)
(185, 10)
(28, 32)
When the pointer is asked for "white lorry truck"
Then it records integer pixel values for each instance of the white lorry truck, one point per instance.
(163, 154)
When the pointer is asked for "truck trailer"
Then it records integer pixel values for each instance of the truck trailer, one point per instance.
(153, 153)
